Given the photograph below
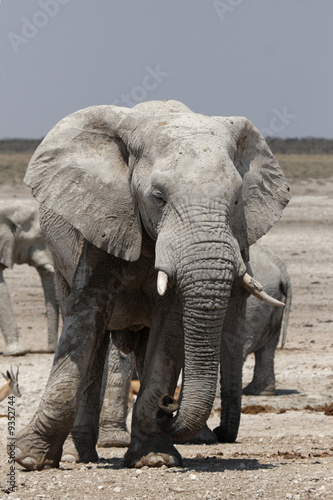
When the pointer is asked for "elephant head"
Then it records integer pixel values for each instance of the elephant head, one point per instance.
(21, 239)
(203, 188)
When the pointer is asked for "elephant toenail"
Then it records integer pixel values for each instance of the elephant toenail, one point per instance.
(156, 461)
(29, 463)
(68, 458)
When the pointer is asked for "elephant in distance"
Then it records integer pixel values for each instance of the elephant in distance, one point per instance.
(265, 323)
(22, 242)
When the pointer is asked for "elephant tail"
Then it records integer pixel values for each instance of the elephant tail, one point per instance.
(287, 290)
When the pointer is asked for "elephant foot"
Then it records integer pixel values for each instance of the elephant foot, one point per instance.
(117, 438)
(15, 349)
(204, 436)
(259, 390)
(153, 452)
(224, 436)
(33, 452)
(77, 450)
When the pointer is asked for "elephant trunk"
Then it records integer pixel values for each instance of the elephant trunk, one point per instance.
(205, 291)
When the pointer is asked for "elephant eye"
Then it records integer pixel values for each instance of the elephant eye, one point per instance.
(159, 199)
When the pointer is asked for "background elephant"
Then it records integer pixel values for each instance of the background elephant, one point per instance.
(264, 323)
(116, 384)
(22, 242)
(149, 213)
(113, 402)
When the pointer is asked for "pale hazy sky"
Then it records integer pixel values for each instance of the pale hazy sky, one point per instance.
(268, 60)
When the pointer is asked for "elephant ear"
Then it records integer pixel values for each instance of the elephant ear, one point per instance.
(80, 171)
(265, 191)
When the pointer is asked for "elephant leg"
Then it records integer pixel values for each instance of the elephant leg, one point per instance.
(7, 322)
(163, 361)
(80, 445)
(231, 367)
(205, 435)
(263, 382)
(140, 351)
(52, 308)
(116, 380)
(89, 309)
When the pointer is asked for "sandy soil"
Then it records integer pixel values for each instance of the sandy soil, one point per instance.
(283, 452)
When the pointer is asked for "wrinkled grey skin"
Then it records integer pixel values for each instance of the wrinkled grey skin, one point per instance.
(114, 399)
(263, 327)
(22, 242)
(125, 193)
(112, 430)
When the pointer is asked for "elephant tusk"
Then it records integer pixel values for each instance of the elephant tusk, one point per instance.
(255, 289)
(49, 268)
(162, 282)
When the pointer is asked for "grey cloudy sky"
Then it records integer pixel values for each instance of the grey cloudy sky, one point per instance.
(268, 60)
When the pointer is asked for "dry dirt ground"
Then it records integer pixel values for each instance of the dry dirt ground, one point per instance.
(286, 452)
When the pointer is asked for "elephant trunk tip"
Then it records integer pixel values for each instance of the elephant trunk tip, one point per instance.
(174, 426)
(167, 406)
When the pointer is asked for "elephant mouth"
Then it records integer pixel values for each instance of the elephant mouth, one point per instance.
(248, 282)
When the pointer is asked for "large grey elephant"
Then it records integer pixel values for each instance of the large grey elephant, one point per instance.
(149, 213)
(22, 242)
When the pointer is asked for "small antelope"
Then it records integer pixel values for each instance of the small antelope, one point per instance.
(134, 391)
(11, 386)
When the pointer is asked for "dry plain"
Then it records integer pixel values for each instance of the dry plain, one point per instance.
(284, 451)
